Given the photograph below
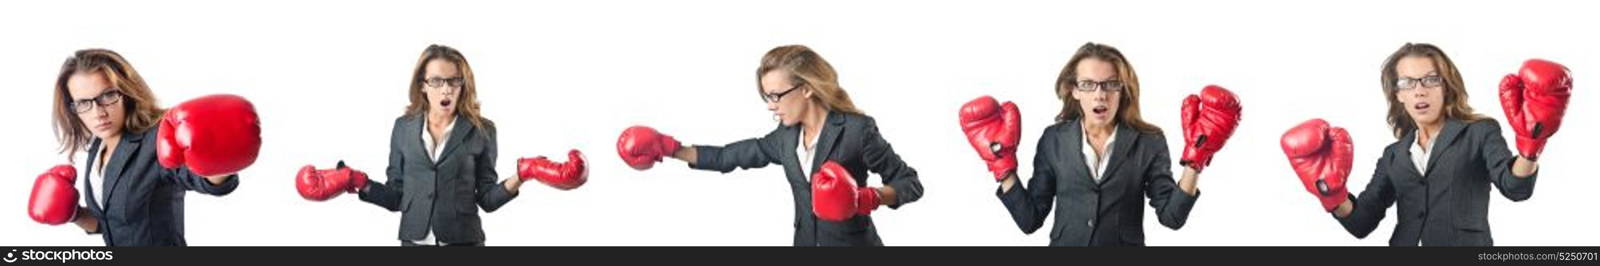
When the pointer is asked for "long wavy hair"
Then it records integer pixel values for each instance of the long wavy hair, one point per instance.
(1455, 92)
(468, 103)
(138, 101)
(807, 68)
(1128, 104)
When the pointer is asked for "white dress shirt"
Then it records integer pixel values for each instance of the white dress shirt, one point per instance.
(804, 152)
(1097, 164)
(1419, 156)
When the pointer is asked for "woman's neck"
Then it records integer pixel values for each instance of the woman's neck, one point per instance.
(110, 143)
(1098, 131)
(1426, 132)
(439, 119)
(811, 123)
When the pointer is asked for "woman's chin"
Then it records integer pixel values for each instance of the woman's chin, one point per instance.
(1098, 119)
(1426, 120)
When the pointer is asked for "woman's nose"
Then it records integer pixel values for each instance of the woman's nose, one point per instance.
(99, 112)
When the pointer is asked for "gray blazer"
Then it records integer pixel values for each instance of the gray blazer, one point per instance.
(1104, 213)
(1448, 205)
(442, 196)
(852, 141)
(144, 202)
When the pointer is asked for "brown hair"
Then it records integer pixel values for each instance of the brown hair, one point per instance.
(807, 68)
(468, 102)
(1128, 106)
(1455, 92)
(138, 102)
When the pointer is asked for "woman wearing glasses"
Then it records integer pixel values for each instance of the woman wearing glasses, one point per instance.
(1443, 163)
(103, 107)
(1099, 161)
(825, 145)
(441, 158)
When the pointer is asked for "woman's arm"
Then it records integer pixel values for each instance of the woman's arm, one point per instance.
(87, 221)
(901, 184)
(1171, 201)
(214, 185)
(1360, 215)
(491, 194)
(1513, 175)
(1029, 207)
(388, 193)
(744, 154)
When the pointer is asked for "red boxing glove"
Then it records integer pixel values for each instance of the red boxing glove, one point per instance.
(54, 201)
(563, 176)
(835, 196)
(1321, 155)
(1208, 121)
(1535, 100)
(641, 147)
(994, 130)
(320, 185)
(212, 135)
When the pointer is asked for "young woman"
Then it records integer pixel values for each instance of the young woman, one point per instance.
(1441, 166)
(102, 102)
(1099, 161)
(821, 134)
(441, 158)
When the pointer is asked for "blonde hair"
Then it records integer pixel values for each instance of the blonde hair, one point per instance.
(806, 67)
(1128, 107)
(468, 104)
(1455, 92)
(138, 102)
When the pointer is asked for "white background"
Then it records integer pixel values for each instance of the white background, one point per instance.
(328, 78)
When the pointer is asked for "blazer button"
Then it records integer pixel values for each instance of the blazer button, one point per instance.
(1091, 223)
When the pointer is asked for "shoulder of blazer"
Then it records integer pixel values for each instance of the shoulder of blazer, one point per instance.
(1148, 138)
(1482, 128)
(489, 128)
(1402, 144)
(838, 118)
(779, 131)
(405, 120)
(1058, 131)
(143, 137)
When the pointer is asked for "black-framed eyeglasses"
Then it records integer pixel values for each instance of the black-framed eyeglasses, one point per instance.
(1429, 81)
(111, 96)
(774, 97)
(1091, 86)
(455, 82)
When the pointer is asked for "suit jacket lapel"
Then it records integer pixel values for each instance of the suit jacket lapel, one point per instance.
(1120, 147)
(94, 149)
(1411, 167)
(1446, 138)
(411, 138)
(1072, 151)
(457, 133)
(787, 141)
(825, 143)
(118, 162)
